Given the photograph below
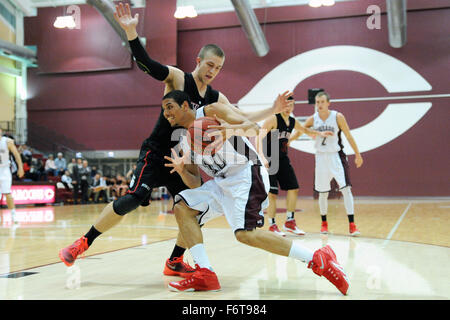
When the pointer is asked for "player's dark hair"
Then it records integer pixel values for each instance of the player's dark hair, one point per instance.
(215, 49)
(290, 98)
(179, 97)
(323, 93)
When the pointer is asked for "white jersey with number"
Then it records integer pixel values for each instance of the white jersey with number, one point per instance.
(328, 144)
(239, 189)
(235, 154)
(4, 152)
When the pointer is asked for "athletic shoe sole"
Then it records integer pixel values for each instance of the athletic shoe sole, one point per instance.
(298, 233)
(190, 289)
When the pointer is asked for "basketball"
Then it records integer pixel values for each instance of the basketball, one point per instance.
(198, 134)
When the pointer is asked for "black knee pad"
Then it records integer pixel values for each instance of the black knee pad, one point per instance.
(125, 204)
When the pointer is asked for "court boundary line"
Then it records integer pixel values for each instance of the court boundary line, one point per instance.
(397, 224)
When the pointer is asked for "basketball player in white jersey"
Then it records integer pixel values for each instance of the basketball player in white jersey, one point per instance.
(331, 161)
(7, 146)
(238, 190)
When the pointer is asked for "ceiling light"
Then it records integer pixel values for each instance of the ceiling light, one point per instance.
(327, 2)
(64, 22)
(315, 3)
(185, 11)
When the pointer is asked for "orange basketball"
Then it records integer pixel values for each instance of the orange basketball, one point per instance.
(198, 134)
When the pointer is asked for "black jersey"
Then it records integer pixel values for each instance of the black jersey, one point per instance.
(160, 140)
(282, 134)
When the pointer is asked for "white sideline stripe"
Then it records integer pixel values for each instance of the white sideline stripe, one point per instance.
(394, 228)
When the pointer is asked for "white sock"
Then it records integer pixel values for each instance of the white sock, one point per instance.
(300, 253)
(348, 200)
(323, 203)
(289, 215)
(199, 255)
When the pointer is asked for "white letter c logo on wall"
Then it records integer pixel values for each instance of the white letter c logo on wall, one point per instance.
(394, 75)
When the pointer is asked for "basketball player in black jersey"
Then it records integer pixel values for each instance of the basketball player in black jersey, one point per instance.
(150, 171)
(278, 129)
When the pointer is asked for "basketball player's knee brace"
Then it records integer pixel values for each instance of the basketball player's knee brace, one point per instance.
(125, 204)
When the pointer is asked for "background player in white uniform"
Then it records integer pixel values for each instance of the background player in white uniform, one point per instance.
(331, 161)
(7, 146)
(238, 190)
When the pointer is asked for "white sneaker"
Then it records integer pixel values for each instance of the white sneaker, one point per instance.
(291, 226)
(274, 228)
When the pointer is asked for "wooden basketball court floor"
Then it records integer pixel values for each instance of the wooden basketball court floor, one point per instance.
(403, 253)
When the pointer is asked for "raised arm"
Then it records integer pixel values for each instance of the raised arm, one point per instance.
(232, 122)
(278, 106)
(173, 77)
(342, 123)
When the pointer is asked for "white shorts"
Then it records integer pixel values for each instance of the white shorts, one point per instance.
(241, 197)
(331, 165)
(5, 179)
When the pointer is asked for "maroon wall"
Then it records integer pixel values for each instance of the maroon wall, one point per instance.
(117, 109)
(91, 46)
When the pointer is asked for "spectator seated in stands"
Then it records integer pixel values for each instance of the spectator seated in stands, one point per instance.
(50, 167)
(66, 179)
(60, 164)
(99, 188)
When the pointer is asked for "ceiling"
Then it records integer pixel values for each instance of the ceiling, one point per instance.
(202, 6)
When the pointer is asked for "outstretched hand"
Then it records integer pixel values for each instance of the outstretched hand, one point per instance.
(124, 18)
(281, 103)
(220, 133)
(176, 162)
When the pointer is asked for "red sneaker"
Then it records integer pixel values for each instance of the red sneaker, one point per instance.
(291, 226)
(324, 263)
(353, 230)
(177, 267)
(202, 279)
(69, 254)
(324, 228)
(274, 228)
